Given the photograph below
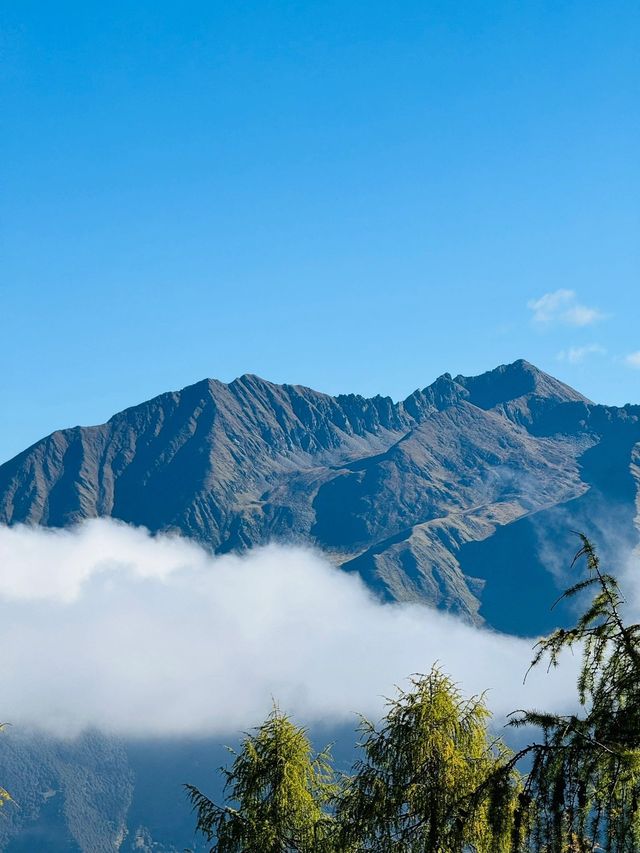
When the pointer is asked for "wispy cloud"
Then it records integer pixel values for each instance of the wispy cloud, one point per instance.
(633, 359)
(576, 355)
(561, 307)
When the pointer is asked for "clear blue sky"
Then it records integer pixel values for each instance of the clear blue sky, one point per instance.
(357, 196)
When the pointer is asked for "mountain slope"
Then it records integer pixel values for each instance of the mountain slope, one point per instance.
(395, 491)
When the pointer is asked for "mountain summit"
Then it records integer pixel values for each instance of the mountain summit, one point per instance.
(412, 495)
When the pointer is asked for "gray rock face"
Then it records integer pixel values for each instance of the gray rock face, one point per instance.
(411, 495)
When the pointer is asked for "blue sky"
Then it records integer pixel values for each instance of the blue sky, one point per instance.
(353, 196)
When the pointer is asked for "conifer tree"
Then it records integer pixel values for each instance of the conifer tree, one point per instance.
(583, 789)
(427, 782)
(278, 795)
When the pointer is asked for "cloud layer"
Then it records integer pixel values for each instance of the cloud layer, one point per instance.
(107, 626)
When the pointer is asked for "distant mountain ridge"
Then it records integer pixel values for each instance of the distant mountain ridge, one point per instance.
(399, 492)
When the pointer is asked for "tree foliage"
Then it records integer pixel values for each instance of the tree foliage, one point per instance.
(416, 787)
(583, 789)
(278, 794)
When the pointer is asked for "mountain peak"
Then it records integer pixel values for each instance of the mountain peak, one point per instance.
(509, 382)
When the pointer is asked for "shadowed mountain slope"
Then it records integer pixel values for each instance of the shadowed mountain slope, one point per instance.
(408, 494)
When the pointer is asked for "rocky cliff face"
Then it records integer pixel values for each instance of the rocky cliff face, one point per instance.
(411, 495)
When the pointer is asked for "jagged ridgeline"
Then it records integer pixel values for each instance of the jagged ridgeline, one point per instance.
(449, 497)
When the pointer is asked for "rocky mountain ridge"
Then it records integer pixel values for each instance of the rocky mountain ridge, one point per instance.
(394, 491)
(463, 496)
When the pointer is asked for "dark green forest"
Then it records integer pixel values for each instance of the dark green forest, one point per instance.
(431, 777)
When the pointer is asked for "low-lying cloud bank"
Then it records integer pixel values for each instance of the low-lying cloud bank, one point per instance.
(104, 625)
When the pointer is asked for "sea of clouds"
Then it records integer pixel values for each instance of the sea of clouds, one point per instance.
(106, 626)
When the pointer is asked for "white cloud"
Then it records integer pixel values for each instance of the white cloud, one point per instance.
(107, 626)
(576, 355)
(633, 359)
(561, 307)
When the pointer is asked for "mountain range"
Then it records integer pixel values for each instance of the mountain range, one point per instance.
(462, 496)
